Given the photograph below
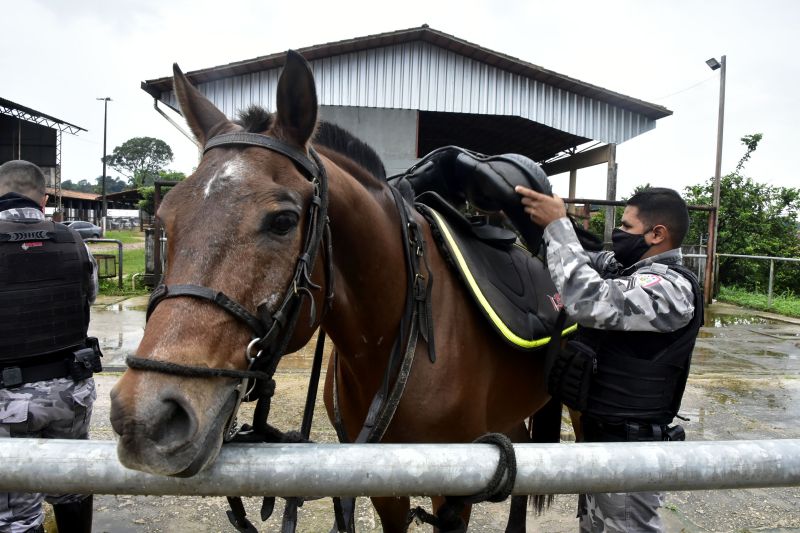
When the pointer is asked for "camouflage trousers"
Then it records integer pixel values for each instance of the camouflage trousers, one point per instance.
(620, 512)
(53, 409)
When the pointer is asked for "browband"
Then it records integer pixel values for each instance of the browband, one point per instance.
(256, 139)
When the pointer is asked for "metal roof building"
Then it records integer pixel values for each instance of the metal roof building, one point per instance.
(410, 91)
(34, 136)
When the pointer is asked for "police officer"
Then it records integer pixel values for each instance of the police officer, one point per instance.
(48, 280)
(638, 311)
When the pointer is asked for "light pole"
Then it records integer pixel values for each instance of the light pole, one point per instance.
(713, 224)
(104, 210)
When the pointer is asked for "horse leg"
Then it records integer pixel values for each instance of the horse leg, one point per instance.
(518, 511)
(545, 426)
(444, 509)
(393, 513)
(575, 417)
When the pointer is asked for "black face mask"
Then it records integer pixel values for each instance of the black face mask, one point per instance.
(628, 247)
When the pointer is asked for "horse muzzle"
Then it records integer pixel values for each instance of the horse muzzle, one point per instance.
(164, 431)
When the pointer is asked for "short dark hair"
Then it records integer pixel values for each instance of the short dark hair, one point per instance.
(660, 205)
(22, 177)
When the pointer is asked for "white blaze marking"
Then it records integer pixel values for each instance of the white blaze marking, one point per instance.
(232, 170)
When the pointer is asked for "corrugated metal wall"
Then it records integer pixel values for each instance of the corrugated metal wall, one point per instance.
(428, 78)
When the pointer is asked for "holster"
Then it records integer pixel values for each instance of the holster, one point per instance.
(675, 432)
(571, 374)
(86, 360)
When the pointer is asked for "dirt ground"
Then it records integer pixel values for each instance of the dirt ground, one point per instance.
(744, 385)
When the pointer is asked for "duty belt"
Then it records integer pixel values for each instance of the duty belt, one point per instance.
(78, 364)
(16, 375)
(628, 431)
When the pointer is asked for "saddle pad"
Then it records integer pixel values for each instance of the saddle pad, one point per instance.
(511, 287)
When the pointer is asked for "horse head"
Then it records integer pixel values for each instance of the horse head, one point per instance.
(236, 227)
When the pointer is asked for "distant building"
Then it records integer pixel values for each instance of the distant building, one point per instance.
(36, 137)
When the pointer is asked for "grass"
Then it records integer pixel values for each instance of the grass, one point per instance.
(133, 261)
(127, 236)
(784, 304)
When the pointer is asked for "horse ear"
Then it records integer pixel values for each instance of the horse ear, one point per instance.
(204, 119)
(296, 115)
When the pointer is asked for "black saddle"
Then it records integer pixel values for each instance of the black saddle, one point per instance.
(486, 182)
(511, 287)
(509, 282)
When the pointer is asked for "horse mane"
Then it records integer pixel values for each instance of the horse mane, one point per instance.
(256, 119)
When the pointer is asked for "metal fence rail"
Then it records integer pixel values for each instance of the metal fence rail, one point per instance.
(771, 268)
(60, 466)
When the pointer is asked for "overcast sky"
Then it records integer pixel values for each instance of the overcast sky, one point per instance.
(58, 56)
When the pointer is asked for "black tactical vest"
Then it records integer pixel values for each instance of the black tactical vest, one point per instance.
(641, 375)
(45, 273)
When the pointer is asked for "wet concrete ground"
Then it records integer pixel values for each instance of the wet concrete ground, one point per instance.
(744, 384)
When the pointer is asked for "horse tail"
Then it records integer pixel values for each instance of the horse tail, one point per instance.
(544, 426)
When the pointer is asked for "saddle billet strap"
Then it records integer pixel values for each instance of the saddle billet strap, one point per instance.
(417, 315)
(385, 403)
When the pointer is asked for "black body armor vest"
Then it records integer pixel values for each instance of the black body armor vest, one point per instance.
(641, 375)
(45, 273)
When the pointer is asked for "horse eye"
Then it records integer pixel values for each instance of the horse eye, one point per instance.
(280, 223)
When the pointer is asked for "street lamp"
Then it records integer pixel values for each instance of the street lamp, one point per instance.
(104, 210)
(714, 222)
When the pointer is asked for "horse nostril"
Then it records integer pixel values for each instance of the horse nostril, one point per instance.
(175, 425)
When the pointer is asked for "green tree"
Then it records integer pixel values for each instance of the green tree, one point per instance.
(597, 222)
(112, 185)
(140, 159)
(147, 203)
(80, 186)
(754, 219)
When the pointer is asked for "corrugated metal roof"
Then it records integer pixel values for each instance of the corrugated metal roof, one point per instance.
(422, 76)
(33, 114)
(76, 195)
(499, 64)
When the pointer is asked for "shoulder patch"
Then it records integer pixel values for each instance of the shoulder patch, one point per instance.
(658, 268)
(648, 280)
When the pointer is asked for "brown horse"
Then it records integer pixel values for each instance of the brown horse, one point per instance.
(173, 425)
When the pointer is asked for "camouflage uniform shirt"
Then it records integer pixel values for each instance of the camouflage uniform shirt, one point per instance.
(598, 293)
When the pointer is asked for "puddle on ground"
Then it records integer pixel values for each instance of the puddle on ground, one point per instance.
(119, 328)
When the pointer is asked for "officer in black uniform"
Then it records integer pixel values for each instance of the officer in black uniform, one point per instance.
(48, 281)
(639, 311)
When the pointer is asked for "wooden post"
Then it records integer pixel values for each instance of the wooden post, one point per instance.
(611, 192)
(156, 236)
(771, 278)
(573, 178)
(587, 213)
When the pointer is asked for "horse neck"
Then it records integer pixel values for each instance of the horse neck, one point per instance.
(369, 267)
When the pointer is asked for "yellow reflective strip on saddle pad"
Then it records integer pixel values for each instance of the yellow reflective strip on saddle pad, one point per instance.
(480, 298)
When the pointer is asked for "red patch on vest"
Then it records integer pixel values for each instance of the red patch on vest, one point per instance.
(27, 245)
(556, 301)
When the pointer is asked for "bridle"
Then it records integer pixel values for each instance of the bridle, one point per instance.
(271, 330)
